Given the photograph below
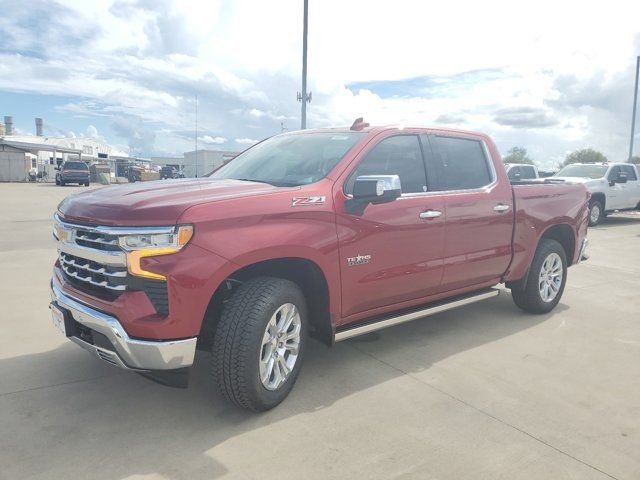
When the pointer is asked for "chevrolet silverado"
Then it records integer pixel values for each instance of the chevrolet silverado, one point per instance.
(332, 233)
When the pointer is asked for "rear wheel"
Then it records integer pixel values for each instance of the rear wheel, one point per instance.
(546, 279)
(596, 212)
(86, 184)
(259, 343)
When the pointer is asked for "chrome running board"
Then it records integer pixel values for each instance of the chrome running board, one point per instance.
(414, 315)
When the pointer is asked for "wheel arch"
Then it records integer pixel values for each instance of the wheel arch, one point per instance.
(600, 197)
(563, 234)
(304, 272)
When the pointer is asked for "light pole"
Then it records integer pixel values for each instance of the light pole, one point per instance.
(635, 104)
(303, 97)
(196, 136)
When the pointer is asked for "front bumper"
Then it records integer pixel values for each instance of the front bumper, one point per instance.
(119, 349)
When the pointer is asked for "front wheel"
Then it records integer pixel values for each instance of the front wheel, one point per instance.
(546, 279)
(596, 212)
(259, 343)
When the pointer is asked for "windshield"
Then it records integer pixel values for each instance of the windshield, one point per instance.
(75, 166)
(291, 160)
(584, 171)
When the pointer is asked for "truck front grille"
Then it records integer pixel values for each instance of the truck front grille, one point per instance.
(84, 272)
(99, 241)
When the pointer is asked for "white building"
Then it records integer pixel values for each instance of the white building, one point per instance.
(201, 162)
(20, 153)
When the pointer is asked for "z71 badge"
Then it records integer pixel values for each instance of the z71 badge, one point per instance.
(308, 201)
(358, 260)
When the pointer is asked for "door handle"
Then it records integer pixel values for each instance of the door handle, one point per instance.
(430, 214)
(501, 207)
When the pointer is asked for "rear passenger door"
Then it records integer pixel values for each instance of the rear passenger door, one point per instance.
(478, 209)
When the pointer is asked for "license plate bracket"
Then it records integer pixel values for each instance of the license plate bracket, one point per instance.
(59, 319)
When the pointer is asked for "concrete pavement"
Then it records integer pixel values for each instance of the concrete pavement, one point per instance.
(483, 392)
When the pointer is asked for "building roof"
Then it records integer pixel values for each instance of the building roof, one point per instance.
(35, 147)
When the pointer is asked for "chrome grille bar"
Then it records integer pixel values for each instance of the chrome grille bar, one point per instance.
(73, 262)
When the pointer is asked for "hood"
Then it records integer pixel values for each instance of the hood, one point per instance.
(153, 203)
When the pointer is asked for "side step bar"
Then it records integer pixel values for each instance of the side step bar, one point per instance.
(414, 315)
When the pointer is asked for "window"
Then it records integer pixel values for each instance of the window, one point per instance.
(583, 171)
(527, 172)
(459, 164)
(630, 171)
(514, 173)
(75, 166)
(613, 173)
(399, 155)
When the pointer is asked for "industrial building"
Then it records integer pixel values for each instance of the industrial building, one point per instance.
(21, 153)
(201, 162)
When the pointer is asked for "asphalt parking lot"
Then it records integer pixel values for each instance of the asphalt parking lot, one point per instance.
(483, 392)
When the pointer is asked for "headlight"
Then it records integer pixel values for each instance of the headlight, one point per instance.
(143, 245)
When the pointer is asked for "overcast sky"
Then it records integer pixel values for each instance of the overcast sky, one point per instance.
(550, 76)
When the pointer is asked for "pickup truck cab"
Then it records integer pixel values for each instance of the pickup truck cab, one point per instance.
(521, 171)
(613, 186)
(73, 172)
(332, 233)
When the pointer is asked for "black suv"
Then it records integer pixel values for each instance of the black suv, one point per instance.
(73, 172)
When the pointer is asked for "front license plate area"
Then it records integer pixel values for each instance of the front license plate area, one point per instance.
(57, 315)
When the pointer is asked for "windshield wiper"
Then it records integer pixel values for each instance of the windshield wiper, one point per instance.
(273, 183)
(254, 180)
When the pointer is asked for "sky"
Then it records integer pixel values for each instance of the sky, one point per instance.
(550, 76)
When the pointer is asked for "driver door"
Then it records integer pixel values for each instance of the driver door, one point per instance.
(392, 252)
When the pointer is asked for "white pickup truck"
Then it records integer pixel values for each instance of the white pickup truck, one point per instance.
(613, 186)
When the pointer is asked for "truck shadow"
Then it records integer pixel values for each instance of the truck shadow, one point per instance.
(125, 425)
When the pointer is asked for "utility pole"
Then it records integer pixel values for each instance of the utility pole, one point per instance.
(196, 136)
(303, 97)
(635, 104)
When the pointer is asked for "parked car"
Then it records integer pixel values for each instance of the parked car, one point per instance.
(170, 172)
(332, 232)
(613, 186)
(73, 172)
(521, 171)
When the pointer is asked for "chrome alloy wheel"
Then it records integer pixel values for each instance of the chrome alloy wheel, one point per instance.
(594, 214)
(280, 346)
(550, 278)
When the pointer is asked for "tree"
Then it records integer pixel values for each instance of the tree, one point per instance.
(586, 155)
(635, 160)
(517, 155)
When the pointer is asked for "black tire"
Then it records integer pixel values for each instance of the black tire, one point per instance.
(597, 205)
(86, 184)
(57, 182)
(238, 341)
(529, 298)
(62, 183)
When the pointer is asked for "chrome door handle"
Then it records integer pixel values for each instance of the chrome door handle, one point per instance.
(430, 214)
(501, 207)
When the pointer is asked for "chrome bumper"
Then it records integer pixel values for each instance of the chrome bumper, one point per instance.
(583, 247)
(130, 354)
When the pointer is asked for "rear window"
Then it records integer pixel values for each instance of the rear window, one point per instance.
(459, 164)
(75, 166)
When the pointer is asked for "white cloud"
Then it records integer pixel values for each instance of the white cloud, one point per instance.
(246, 141)
(551, 76)
(212, 140)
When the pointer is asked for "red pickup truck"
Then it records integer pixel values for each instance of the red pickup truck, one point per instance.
(332, 233)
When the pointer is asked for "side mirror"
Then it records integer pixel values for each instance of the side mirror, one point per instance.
(376, 188)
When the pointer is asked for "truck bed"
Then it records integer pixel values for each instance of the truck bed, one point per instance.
(539, 205)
